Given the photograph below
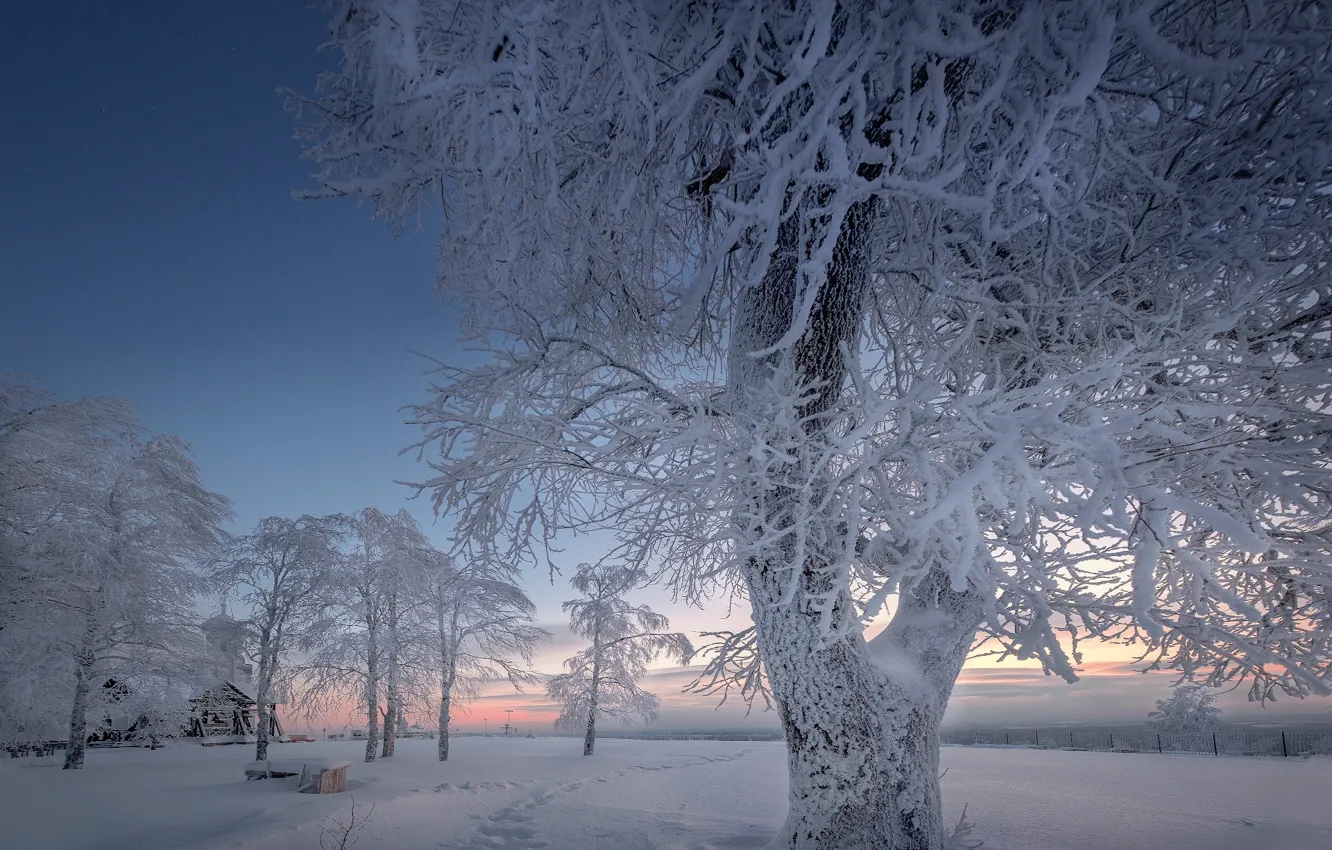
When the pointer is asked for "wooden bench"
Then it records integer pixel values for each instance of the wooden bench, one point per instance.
(317, 776)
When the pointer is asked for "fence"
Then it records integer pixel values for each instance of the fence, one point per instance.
(1227, 742)
(687, 736)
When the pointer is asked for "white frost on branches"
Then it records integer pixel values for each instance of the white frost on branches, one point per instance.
(1011, 318)
(103, 530)
(279, 572)
(602, 681)
(1190, 711)
(475, 625)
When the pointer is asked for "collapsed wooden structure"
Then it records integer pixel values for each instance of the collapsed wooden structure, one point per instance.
(228, 710)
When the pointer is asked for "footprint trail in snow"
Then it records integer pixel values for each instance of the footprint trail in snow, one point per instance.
(511, 827)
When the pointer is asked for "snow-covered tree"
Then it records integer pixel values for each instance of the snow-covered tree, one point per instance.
(602, 681)
(108, 526)
(43, 440)
(1008, 318)
(355, 648)
(1190, 710)
(478, 625)
(279, 573)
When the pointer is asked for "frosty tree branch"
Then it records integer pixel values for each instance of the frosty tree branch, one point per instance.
(1010, 316)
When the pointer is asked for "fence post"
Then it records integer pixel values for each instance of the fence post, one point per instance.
(1006, 741)
(1159, 748)
(1070, 740)
(1215, 752)
(1284, 752)
(1038, 737)
(1112, 740)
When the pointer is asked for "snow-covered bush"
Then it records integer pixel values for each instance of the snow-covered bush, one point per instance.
(1190, 711)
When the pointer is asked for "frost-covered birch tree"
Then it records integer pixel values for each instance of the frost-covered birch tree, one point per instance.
(355, 648)
(279, 573)
(602, 681)
(478, 625)
(993, 319)
(107, 526)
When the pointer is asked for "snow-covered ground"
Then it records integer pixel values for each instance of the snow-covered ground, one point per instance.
(635, 795)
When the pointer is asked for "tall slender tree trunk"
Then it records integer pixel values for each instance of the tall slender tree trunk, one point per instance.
(78, 717)
(445, 714)
(371, 701)
(448, 654)
(393, 700)
(392, 715)
(590, 737)
(261, 699)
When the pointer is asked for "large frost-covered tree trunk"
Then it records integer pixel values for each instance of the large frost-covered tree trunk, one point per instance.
(861, 727)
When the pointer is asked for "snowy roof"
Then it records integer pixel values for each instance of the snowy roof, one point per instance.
(231, 690)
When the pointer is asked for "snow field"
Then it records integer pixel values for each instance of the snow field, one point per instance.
(526, 794)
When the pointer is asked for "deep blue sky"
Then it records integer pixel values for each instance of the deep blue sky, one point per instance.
(150, 248)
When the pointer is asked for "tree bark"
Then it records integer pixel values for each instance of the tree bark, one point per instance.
(85, 660)
(590, 736)
(393, 708)
(861, 721)
(862, 732)
(261, 692)
(445, 708)
(78, 717)
(371, 703)
(391, 717)
(449, 643)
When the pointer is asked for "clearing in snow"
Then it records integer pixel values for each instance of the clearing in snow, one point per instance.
(519, 793)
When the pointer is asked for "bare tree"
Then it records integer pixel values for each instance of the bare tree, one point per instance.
(478, 624)
(1010, 318)
(279, 573)
(603, 679)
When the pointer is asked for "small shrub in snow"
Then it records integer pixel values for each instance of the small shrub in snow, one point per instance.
(1191, 710)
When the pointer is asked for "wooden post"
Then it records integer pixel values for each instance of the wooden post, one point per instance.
(1112, 740)
(1006, 741)
(1285, 753)
(1215, 752)
(1038, 737)
(1159, 748)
